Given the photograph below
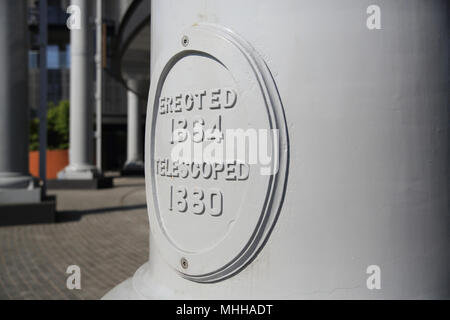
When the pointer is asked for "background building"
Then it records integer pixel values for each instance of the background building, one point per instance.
(58, 61)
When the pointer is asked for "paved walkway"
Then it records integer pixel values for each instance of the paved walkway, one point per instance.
(104, 232)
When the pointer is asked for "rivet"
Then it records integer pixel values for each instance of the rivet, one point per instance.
(184, 263)
(185, 41)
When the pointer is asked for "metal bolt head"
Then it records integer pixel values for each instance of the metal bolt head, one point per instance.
(185, 41)
(184, 263)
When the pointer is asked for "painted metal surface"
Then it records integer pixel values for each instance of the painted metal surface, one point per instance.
(135, 155)
(81, 152)
(366, 119)
(213, 80)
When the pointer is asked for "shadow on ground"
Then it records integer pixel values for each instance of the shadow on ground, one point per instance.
(76, 215)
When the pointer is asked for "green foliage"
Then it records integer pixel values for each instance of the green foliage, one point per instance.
(34, 134)
(57, 128)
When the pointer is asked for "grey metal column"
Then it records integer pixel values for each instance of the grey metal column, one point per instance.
(99, 82)
(16, 185)
(43, 88)
(81, 165)
(134, 135)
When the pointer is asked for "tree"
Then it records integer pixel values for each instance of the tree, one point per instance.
(57, 128)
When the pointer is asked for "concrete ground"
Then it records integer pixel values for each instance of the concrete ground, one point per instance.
(104, 232)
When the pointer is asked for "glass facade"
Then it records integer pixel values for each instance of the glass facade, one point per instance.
(56, 59)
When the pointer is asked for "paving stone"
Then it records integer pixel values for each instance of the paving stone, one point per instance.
(104, 232)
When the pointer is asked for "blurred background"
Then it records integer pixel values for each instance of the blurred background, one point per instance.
(74, 78)
(124, 45)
